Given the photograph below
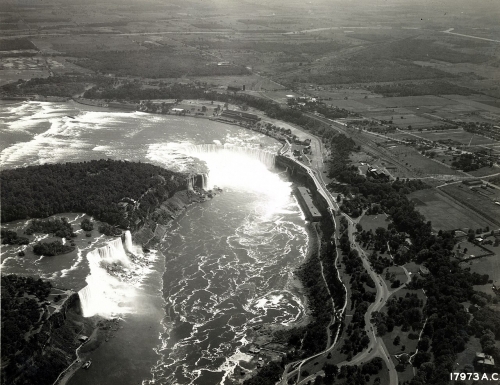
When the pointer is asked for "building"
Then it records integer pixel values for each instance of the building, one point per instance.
(83, 339)
(484, 362)
(473, 182)
(305, 199)
(239, 115)
(377, 174)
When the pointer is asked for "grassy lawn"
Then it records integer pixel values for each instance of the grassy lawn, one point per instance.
(412, 267)
(374, 221)
(467, 356)
(487, 265)
(395, 273)
(406, 344)
(472, 249)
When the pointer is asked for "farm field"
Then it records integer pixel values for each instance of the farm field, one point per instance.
(444, 213)
(460, 136)
(485, 171)
(419, 164)
(14, 68)
(480, 201)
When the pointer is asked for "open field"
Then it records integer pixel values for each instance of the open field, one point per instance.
(459, 136)
(480, 201)
(444, 213)
(373, 222)
(488, 265)
(418, 163)
(394, 273)
(472, 249)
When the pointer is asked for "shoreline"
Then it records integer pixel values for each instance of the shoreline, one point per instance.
(152, 232)
(105, 329)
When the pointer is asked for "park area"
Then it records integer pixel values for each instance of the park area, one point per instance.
(401, 339)
(373, 222)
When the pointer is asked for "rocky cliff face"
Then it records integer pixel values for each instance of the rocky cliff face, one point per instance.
(158, 222)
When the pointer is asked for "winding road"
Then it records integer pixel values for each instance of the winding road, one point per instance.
(376, 347)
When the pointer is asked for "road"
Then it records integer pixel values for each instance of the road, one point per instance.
(376, 346)
(469, 36)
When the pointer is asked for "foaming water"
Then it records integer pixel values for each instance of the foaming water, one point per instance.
(229, 266)
(104, 294)
(223, 268)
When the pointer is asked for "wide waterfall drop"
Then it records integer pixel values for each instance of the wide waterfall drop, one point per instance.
(114, 252)
(236, 166)
(104, 294)
(265, 157)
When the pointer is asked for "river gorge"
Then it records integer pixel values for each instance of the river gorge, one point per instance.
(224, 268)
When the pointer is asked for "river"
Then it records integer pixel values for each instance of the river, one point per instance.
(224, 267)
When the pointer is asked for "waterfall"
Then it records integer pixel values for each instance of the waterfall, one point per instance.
(191, 182)
(114, 252)
(204, 181)
(104, 293)
(128, 242)
(267, 158)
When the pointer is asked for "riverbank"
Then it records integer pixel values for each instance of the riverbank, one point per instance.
(105, 332)
(268, 343)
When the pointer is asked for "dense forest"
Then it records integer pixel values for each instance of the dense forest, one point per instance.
(362, 295)
(21, 313)
(49, 249)
(94, 187)
(36, 347)
(10, 237)
(62, 86)
(59, 227)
